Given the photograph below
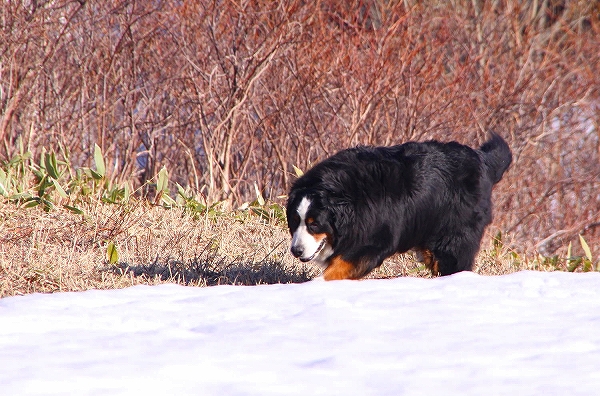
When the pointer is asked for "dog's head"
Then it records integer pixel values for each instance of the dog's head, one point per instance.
(310, 224)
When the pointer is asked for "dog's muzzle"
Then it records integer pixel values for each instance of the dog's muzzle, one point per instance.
(298, 251)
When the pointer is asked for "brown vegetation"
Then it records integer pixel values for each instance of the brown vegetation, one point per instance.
(63, 251)
(226, 94)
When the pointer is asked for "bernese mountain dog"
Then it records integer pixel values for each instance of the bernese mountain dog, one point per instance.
(360, 206)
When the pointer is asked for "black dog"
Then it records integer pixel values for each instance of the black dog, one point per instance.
(360, 206)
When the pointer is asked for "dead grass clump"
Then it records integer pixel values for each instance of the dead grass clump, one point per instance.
(62, 251)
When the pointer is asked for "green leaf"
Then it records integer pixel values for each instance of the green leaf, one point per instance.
(112, 256)
(298, 171)
(262, 213)
(39, 174)
(126, 192)
(73, 209)
(47, 205)
(586, 247)
(4, 183)
(259, 198)
(181, 191)
(574, 265)
(59, 189)
(42, 156)
(163, 180)
(51, 165)
(31, 203)
(167, 200)
(95, 175)
(99, 161)
(24, 196)
(497, 241)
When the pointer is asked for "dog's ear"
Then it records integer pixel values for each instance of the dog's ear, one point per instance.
(292, 196)
(341, 211)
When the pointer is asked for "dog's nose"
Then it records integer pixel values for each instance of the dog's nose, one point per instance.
(297, 251)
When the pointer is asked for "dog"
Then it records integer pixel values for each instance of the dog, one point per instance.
(355, 209)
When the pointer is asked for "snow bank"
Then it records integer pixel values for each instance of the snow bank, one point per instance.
(529, 333)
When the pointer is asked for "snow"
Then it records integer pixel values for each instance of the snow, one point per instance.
(529, 333)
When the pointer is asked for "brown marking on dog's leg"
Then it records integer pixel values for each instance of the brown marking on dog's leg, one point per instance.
(427, 257)
(339, 269)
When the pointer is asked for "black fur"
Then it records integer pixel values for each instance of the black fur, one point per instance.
(373, 202)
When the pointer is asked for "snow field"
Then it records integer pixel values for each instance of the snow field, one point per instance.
(529, 333)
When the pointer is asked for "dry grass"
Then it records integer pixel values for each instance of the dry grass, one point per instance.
(63, 251)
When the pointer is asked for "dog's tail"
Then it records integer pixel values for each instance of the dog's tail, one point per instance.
(497, 156)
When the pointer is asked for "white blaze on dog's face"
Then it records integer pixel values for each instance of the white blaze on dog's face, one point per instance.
(309, 242)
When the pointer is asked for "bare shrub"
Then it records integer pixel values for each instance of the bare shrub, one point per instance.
(228, 94)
